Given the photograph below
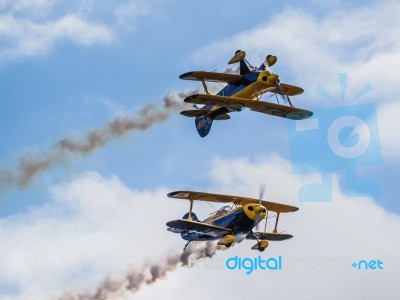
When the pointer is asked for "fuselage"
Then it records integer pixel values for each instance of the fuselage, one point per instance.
(241, 220)
(250, 86)
(244, 87)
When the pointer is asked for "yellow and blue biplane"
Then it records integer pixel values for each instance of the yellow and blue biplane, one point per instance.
(230, 224)
(242, 91)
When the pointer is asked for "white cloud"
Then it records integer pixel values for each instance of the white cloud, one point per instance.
(26, 38)
(389, 128)
(95, 226)
(92, 226)
(127, 12)
(328, 238)
(22, 5)
(34, 27)
(312, 50)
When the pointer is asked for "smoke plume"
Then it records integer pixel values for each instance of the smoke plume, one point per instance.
(232, 70)
(30, 165)
(148, 274)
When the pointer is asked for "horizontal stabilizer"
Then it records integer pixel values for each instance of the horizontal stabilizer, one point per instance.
(268, 236)
(202, 112)
(195, 112)
(175, 230)
(223, 117)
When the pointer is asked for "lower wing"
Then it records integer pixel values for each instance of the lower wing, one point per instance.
(268, 236)
(194, 226)
(236, 103)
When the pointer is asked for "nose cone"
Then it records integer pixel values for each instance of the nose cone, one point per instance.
(259, 208)
(255, 211)
(273, 78)
(267, 78)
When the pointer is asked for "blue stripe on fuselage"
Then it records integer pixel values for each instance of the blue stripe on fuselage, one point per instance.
(237, 221)
(235, 87)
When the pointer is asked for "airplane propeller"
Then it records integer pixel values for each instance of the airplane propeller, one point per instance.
(261, 195)
(269, 61)
(282, 94)
(262, 191)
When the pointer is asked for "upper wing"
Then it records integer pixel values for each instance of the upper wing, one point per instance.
(211, 76)
(290, 90)
(271, 206)
(194, 226)
(260, 106)
(268, 236)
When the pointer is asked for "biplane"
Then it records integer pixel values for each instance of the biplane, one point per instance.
(243, 90)
(230, 224)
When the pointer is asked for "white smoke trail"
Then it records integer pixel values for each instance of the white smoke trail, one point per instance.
(148, 274)
(29, 166)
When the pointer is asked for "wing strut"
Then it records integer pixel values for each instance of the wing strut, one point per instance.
(266, 220)
(276, 222)
(205, 87)
(190, 210)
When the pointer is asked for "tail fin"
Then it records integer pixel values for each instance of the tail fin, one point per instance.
(203, 125)
(194, 217)
(244, 69)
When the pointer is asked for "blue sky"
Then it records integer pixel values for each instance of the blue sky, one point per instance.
(68, 67)
(68, 88)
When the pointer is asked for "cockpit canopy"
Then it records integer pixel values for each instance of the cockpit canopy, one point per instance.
(222, 210)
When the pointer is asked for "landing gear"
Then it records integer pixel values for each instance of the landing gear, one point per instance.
(187, 244)
(227, 240)
(261, 245)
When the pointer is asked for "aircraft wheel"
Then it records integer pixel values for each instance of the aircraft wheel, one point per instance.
(261, 249)
(228, 245)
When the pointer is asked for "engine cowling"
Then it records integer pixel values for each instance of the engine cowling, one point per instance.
(267, 78)
(255, 211)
